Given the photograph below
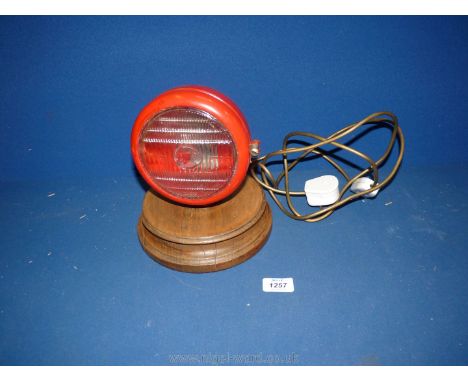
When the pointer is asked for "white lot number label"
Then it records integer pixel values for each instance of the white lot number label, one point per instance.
(278, 285)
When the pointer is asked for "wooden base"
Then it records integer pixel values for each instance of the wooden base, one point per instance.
(205, 239)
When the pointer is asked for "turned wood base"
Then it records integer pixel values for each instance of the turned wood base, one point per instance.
(205, 239)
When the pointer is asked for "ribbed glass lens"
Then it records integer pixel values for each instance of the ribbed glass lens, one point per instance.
(187, 152)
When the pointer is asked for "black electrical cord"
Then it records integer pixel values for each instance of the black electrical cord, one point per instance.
(272, 184)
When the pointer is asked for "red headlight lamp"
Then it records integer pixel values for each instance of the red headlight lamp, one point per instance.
(191, 144)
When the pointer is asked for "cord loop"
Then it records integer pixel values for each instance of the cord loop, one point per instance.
(272, 184)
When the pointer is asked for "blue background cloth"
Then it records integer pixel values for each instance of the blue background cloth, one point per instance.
(379, 282)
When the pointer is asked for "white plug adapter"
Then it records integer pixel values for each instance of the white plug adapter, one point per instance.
(322, 191)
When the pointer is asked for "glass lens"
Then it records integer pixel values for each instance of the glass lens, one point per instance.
(187, 152)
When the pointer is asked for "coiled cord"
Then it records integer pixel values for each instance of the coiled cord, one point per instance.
(272, 185)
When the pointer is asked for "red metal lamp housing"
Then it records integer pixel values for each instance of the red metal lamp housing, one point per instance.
(191, 144)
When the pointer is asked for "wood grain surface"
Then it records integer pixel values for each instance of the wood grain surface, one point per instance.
(220, 244)
(204, 225)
